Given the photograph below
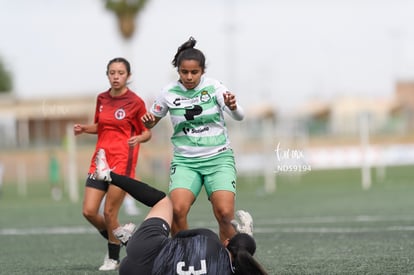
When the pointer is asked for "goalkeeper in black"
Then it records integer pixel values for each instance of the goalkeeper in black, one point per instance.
(151, 251)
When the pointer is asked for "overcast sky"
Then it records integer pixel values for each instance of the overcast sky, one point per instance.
(274, 51)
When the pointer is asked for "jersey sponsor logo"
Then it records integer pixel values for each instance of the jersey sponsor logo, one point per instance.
(157, 108)
(100, 108)
(120, 114)
(186, 102)
(176, 102)
(191, 270)
(200, 130)
(195, 131)
(222, 149)
(194, 111)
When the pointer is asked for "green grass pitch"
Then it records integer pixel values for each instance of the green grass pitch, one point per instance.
(322, 222)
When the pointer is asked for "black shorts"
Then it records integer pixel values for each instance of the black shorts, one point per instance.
(144, 246)
(97, 184)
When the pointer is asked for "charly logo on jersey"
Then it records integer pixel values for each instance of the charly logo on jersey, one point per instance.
(120, 114)
(189, 102)
(191, 270)
(176, 101)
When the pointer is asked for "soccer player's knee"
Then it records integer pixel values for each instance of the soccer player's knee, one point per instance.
(110, 213)
(224, 215)
(88, 214)
(180, 210)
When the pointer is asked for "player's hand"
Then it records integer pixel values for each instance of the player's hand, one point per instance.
(149, 120)
(230, 100)
(133, 141)
(78, 129)
(245, 223)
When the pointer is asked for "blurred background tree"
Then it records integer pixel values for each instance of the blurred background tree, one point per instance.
(6, 83)
(126, 11)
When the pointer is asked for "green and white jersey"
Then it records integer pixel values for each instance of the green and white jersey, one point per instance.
(199, 129)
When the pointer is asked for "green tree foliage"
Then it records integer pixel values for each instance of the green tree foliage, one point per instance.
(126, 12)
(6, 84)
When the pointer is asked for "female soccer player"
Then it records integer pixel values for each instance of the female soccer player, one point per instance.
(197, 251)
(202, 152)
(120, 132)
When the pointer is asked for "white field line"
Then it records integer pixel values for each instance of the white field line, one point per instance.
(257, 230)
(332, 230)
(361, 224)
(337, 219)
(48, 231)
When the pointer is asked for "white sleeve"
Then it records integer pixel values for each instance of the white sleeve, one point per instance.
(237, 114)
(160, 107)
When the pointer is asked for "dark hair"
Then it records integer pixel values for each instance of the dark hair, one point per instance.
(122, 60)
(187, 52)
(242, 247)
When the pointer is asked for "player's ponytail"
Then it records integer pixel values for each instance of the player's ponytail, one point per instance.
(242, 247)
(187, 52)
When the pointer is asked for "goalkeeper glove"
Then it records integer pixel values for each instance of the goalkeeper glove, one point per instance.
(245, 223)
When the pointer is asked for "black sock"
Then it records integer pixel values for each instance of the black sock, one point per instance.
(140, 191)
(104, 233)
(113, 251)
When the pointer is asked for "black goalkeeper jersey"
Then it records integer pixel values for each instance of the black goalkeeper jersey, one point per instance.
(190, 252)
(193, 252)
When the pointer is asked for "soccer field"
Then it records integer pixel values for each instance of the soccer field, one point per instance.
(319, 223)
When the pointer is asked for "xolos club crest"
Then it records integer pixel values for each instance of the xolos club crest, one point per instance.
(120, 114)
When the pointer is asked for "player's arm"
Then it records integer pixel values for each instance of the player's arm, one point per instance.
(150, 120)
(85, 128)
(157, 111)
(231, 107)
(143, 137)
